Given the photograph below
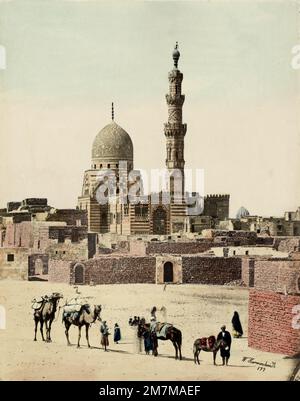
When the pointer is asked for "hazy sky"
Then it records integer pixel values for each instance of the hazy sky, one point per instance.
(68, 60)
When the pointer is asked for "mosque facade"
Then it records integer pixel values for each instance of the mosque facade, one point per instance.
(106, 185)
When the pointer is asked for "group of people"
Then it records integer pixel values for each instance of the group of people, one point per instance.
(224, 335)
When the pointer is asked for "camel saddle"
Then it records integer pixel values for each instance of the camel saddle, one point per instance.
(38, 302)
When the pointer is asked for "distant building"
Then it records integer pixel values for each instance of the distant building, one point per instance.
(32, 233)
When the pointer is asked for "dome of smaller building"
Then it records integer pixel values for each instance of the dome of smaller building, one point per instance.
(242, 212)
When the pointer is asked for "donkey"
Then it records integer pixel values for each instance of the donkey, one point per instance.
(209, 344)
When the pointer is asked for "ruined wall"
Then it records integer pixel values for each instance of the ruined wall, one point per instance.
(73, 217)
(72, 233)
(287, 244)
(273, 322)
(210, 270)
(19, 235)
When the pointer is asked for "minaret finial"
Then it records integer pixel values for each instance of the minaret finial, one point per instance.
(176, 55)
(112, 111)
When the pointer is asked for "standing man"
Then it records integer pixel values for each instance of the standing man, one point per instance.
(225, 351)
(104, 335)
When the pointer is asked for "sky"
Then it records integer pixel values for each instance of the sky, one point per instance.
(67, 60)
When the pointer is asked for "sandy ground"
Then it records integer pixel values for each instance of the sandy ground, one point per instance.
(198, 310)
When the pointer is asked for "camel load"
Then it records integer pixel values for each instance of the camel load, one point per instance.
(80, 314)
(73, 308)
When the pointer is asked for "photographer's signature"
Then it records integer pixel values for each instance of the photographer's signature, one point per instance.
(261, 365)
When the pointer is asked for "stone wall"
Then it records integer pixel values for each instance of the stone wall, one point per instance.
(210, 270)
(59, 271)
(115, 270)
(178, 248)
(274, 322)
(278, 275)
(266, 241)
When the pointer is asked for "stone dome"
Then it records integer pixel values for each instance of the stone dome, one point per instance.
(242, 212)
(112, 144)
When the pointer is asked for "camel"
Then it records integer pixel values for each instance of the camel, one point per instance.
(85, 317)
(209, 344)
(172, 333)
(45, 314)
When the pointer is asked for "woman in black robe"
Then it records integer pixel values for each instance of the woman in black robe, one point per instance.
(117, 333)
(236, 326)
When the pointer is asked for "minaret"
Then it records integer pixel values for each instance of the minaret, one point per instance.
(174, 129)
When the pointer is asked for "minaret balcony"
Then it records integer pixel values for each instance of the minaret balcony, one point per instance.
(176, 100)
(175, 129)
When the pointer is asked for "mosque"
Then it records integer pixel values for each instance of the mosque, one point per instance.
(112, 156)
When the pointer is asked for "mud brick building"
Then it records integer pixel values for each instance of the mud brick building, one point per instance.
(32, 233)
(274, 305)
